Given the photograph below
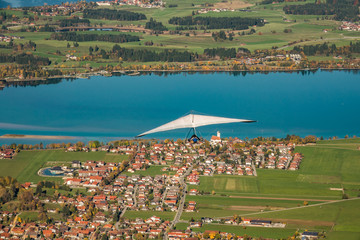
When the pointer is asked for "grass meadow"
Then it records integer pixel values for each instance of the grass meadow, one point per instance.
(25, 165)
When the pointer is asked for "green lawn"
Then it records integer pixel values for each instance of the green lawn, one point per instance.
(223, 206)
(25, 165)
(344, 215)
(227, 184)
(271, 182)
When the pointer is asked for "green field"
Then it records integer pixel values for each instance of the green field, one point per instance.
(222, 206)
(306, 29)
(25, 165)
(343, 215)
(325, 165)
(257, 232)
(328, 164)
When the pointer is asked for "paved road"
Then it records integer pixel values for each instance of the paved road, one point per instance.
(163, 196)
(253, 167)
(182, 199)
(134, 195)
(320, 40)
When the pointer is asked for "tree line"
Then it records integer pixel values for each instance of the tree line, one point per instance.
(109, 14)
(75, 37)
(279, 1)
(221, 52)
(144, 55)
(71, 22)
(156, 26)
(24, 58)
(344, 10)
(236, 23)
(326, 49)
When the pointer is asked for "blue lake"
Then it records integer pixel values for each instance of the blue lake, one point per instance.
(322, 104)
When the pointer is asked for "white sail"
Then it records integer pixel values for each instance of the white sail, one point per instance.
(193, 121)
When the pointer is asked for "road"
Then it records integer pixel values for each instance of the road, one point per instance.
(313, 205)
(134, 195)
(253, 167)
(126, 207)
(320, 40)
(163, 196)
(184, 186)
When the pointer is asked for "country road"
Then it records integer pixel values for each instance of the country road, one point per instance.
(308, 206)
(320, 40)
(182, 199)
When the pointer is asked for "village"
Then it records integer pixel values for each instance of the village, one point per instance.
(112, 189)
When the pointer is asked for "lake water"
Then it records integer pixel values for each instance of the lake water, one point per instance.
(106, 108)
(31, 3)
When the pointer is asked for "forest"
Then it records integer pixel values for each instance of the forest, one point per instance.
(75, 37)
(143, 55)
(24, 58)
(221, 52)
(235, 23)
(326, 49)
(70, 22)
(109, 14)
(345, 10)
(156, 26)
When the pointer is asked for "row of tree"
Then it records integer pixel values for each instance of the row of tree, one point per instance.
(24, 58)
(236, 23)
(144, 55)
(156, 26)
(120, 15)
(347, 10)
(326, 49)
(75, 21)
(280, 1)
(75, 37)
(221, 52)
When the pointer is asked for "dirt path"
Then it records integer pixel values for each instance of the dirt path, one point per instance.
(313, 205)
(292, 199)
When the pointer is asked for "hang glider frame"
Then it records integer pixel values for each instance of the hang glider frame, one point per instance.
(193, 121)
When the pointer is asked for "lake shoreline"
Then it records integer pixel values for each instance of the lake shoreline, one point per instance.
(139, 72)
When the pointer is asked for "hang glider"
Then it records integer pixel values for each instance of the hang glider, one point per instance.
(193, 121)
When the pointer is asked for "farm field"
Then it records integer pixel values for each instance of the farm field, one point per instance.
(25, 165)
(325, 165)
(305, 29)
(279, 195)
(340, 214)
(224, 206)
(276, 233)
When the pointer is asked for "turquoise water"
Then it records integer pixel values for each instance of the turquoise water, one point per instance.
(46, 171)
(322, 104)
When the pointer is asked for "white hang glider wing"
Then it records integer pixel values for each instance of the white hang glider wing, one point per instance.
(193, 121)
